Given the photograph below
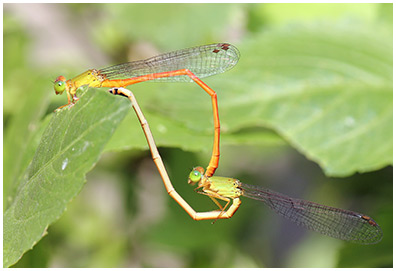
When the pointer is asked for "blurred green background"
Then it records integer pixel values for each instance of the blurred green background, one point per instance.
(294, 58)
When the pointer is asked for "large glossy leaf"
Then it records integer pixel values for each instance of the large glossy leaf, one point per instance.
(69, 148)
(334, 99)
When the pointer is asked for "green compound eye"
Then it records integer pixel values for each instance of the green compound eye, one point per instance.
(195, 176)
(59, 85)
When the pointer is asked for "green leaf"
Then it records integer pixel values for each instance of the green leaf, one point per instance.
(69, 148)
(333, 101)
(22, 132)
(325, 88)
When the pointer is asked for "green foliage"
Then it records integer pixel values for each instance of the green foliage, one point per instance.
(316, 78)
(69, 148)
(327, 89)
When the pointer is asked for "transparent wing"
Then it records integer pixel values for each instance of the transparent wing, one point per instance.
(334, 222)
(203, 61)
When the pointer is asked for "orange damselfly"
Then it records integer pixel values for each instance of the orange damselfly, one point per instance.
(186, 65)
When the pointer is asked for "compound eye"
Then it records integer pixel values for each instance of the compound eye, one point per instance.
(195, 176)
(59, 85)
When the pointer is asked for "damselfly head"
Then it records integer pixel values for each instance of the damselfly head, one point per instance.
(195, 175)
(60, 84)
